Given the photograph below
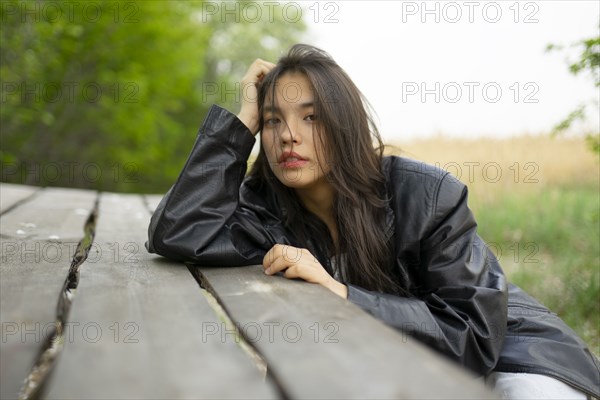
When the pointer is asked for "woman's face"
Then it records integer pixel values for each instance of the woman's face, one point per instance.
(289, 135)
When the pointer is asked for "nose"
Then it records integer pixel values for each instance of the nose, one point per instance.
(289, 134)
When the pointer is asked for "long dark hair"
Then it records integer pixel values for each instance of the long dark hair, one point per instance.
(353, 149)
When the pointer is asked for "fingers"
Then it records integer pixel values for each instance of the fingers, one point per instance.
(258, 69)
(291, 273)
(281, 257)
(300, 263)
(264, 66)
(249, 109)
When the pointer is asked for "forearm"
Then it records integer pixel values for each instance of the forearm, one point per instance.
(474, 341)
(207, 189)
(250, 120)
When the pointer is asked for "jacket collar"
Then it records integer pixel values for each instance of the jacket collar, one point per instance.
(389, 222)
(389, 212)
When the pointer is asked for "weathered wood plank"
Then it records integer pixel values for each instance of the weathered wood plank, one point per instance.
(319, 345)
(10, 194)
(139, 324)
(38, 240)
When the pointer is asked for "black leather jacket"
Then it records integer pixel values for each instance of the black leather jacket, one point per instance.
(461, 304)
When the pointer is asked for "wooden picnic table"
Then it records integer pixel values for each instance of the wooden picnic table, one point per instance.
(87, 313)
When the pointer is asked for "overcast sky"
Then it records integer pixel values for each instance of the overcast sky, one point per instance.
(480, 69)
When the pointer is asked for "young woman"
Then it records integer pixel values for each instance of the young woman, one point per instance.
(392, 235)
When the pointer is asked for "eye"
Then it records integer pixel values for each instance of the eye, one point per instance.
(311, 117)
(271, 121)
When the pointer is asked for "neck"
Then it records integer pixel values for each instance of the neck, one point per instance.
(319, 201)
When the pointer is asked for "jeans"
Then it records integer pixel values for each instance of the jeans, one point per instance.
(531, 386)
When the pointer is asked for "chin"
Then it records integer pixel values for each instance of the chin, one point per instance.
(294, 184)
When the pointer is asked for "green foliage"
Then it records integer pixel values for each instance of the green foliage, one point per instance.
(575, 115)
(547, 242)
(235, 42)
(588, 61)
(110, 97)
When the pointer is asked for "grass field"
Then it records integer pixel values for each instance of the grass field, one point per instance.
(536, 200)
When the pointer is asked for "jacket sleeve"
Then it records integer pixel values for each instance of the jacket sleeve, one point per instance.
(205, 218)
(460, 308)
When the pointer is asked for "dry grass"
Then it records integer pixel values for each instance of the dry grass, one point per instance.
(490, 166)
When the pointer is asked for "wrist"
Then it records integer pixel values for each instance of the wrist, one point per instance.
(250, 122)
(338, 288)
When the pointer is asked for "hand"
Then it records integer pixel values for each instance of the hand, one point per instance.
(300, 263)
(249, 111)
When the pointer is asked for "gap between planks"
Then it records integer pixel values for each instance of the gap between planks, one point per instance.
(33, 384)
(221, 311)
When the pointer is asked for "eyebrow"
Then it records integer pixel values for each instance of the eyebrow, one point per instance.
(274, 108)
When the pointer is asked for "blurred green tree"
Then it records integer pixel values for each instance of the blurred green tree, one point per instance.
(588, 62)
(109, 95)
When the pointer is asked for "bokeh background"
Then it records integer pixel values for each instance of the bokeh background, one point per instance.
(109, 95)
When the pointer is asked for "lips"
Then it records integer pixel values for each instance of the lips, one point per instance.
(290, 159)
